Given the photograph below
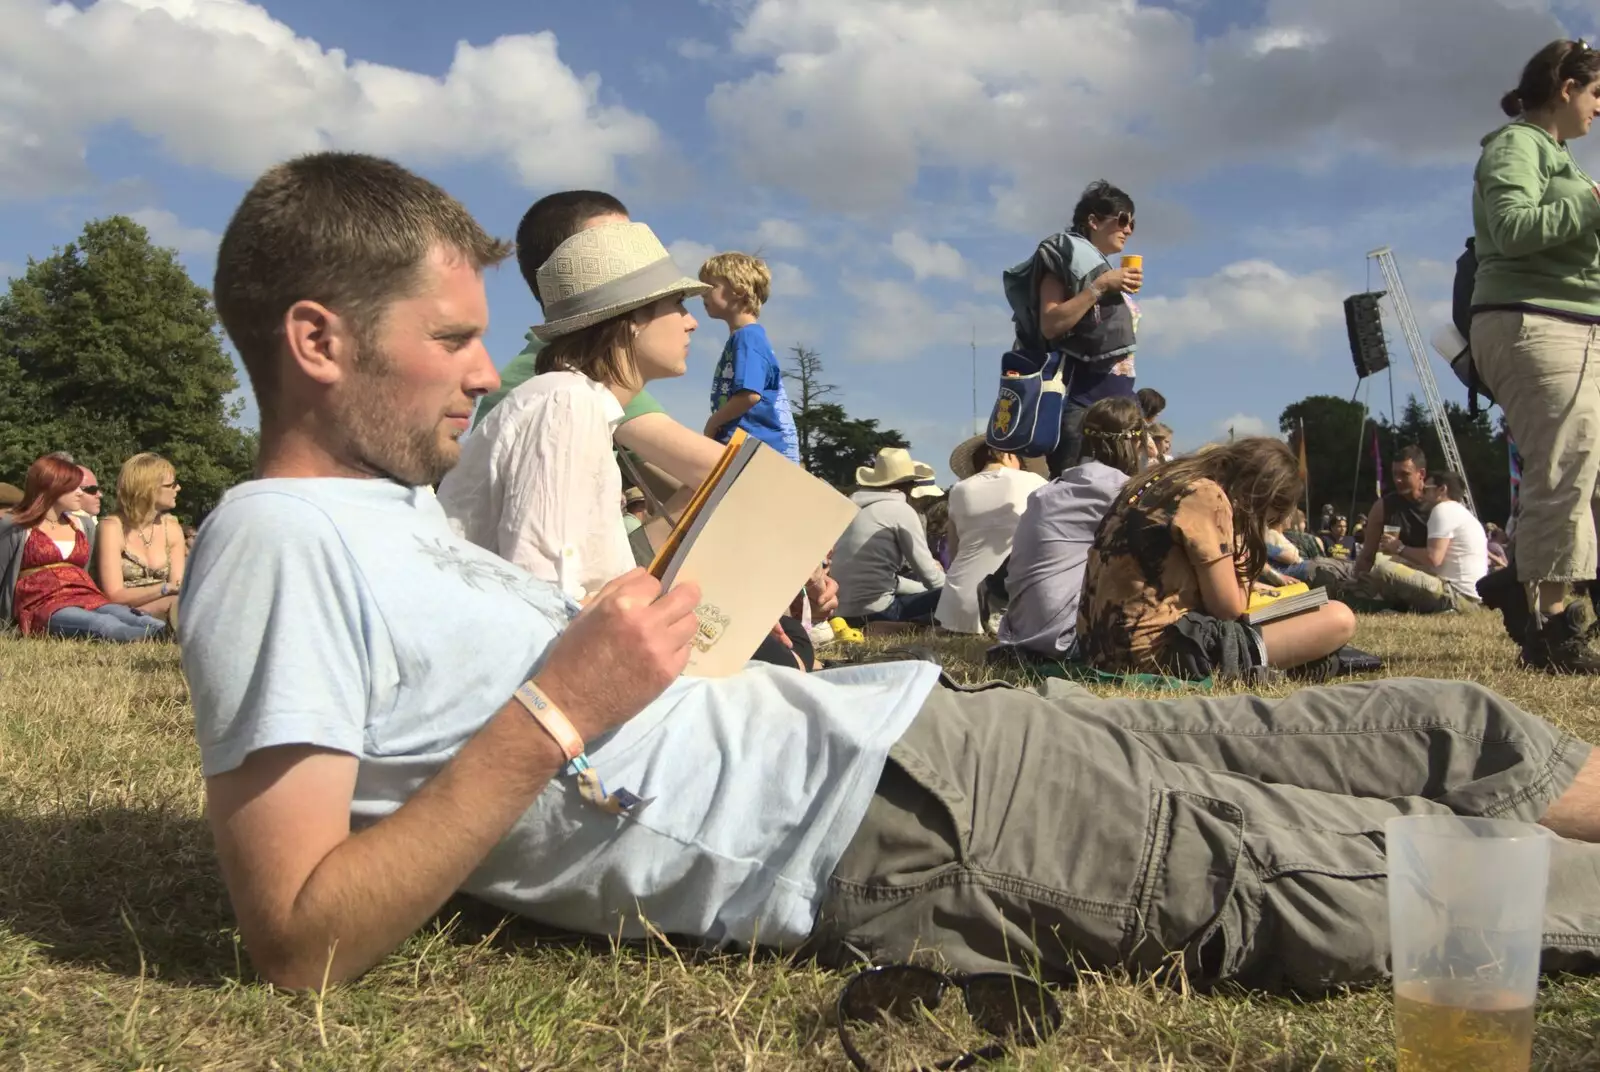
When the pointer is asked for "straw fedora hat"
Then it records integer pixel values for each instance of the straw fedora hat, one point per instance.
(604, 271)
(964, 460)
(892, 465)
(927, 489)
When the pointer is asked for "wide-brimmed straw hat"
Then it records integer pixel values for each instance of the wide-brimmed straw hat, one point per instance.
(964, 460)
(604, 271)
(10, 495)
(893, 465)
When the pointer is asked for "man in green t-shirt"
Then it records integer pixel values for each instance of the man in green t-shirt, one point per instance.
(646, 431)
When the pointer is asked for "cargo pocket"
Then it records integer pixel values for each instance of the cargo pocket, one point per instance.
(1189, 904)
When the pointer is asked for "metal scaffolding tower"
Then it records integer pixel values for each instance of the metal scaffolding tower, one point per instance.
(1419, 358)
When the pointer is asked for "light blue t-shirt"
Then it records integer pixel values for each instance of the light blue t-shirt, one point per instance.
(749, 364)
(344, 613)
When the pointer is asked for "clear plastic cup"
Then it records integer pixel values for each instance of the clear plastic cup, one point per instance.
(1466, 915)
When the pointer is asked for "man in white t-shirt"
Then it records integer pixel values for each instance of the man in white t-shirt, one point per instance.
(1444, 575)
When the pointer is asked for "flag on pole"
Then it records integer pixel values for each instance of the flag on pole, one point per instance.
(1305, 473)
(1377, 465)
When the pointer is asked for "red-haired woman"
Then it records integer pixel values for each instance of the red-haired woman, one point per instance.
(44, 585)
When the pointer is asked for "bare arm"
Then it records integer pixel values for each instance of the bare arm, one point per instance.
(737, 405)
(109, 541)
(1059, 314)
(685, 455)
(1427, 559)
(313, 898)
(1220, 590)
(177, 552)
(1371, 538)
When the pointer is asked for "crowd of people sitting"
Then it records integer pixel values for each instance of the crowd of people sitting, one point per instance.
(66, 571)
(424, 662)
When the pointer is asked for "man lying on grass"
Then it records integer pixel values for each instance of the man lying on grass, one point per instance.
(386, 714)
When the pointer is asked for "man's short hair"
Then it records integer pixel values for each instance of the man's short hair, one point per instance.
(346, 230)
(1451, 481)
(749, 277)
(554, 219)
(1413, 454)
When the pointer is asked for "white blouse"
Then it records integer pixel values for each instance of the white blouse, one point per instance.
(538, 484)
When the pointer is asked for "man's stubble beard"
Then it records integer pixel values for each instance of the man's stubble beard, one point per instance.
(376, 442)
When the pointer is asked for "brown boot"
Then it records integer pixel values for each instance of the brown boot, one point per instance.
(1561, 644)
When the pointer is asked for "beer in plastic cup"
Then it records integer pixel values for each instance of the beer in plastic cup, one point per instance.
(1392, 530)
(1466, 913)
(1133, 260)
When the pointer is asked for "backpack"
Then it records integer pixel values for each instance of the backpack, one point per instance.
(1026, 419)
(1461, 316)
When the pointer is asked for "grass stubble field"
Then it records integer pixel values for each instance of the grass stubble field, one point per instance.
(117, 948)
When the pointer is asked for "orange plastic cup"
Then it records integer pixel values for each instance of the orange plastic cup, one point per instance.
(1133, 260)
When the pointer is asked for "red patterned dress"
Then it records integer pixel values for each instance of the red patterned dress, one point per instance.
(49, 583)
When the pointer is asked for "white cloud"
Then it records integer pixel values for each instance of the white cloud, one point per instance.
(167, 230)
(692, 49)
(927, 260)
(223, 84)
(852, 99)
(788, 281)
(690, 255)
(1252, 301)
(896, 322)
(1241, 425)
(780, 234)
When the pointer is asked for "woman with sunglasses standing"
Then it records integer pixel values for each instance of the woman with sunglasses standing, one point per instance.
(1069, 298)
(1536, 336)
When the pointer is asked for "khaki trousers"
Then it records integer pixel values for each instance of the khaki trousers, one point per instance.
(1240, 835)
(1543, 373)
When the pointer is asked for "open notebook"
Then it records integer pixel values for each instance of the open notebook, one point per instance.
(750, 537)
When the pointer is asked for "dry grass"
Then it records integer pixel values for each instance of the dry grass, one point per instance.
(117, 948)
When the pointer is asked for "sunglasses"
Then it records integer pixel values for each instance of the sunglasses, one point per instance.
(1012, 1008)
(1121, 219)
(92, 489)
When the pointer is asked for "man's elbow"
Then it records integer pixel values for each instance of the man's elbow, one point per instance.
(300, 965)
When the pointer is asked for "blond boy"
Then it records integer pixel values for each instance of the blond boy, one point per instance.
(747, 389)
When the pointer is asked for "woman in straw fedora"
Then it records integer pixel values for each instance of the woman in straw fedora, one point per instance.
(885, 539)
(991, 492)
(538, 483)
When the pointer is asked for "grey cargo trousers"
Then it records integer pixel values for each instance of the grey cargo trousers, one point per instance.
(1242, 835)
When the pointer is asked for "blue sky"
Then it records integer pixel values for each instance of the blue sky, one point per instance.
(889, 157)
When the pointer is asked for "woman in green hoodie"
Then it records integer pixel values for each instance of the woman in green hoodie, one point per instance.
(1536, 335)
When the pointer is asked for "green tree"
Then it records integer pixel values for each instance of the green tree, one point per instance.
(832, 443)
(1338, 451)
(108, 348)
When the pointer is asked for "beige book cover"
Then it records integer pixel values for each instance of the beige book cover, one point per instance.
(757, 529)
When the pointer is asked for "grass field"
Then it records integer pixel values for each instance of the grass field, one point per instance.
(117, 948)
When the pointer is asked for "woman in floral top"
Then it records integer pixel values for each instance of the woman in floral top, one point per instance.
(1174, 561)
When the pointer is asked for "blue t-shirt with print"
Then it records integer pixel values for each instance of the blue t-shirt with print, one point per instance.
(347, 615)
(748, 364)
